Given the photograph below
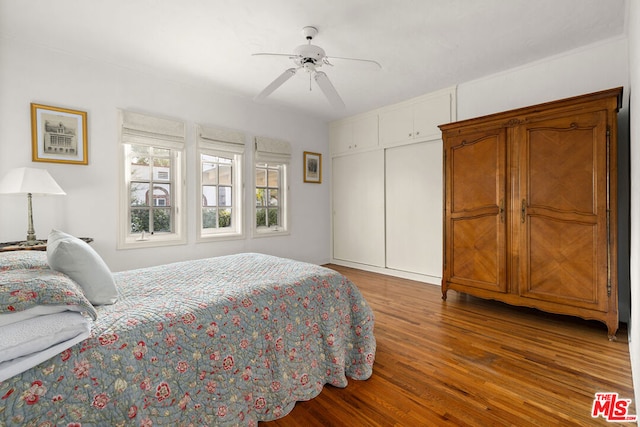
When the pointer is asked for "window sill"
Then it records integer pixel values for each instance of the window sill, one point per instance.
(151, 241)
(219, 237)
(267, 232)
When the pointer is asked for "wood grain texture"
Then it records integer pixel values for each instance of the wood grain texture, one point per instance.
(471, 362)
(547, 236)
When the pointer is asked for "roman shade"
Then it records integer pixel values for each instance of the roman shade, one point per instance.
(272, 150)
(221, 140)
(142, 129)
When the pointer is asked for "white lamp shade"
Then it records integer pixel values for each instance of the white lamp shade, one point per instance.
(29, 180)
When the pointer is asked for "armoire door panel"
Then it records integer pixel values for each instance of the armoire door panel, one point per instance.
(563, 192)
(478, 257)
(477, 165)
(476, 229)
(563, 263)
(562, 162)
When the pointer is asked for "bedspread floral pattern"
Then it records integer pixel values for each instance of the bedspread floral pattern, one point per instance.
(225, 341)
(18, 260)
(23, 289)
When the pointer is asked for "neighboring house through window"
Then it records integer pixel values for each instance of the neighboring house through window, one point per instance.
(271, 214)
(151, 211)
(220, 159)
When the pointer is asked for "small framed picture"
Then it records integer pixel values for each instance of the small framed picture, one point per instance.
(58, 135)
(312, 167)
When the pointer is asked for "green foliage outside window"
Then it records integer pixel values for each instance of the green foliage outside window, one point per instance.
(140, 220)
(209, 217)
(261, 217)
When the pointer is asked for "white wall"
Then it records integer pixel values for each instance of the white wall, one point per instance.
(30, 73)
(634, 72)
(589, 69)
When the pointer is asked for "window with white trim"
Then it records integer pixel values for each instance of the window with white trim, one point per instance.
(220, 159)
(152, 193)
(271, 213)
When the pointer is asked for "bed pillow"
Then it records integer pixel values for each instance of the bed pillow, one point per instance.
(19, 260)
(75, 258)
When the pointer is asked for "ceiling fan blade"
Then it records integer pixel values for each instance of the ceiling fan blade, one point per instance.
(371, 61)
(276, 84)
(289, 55)
(329, 91)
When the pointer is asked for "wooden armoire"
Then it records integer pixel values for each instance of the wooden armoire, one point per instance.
(530, 212)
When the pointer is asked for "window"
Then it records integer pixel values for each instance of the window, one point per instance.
(220, 155)
(271, 186)
(152, 182)
(268, 185)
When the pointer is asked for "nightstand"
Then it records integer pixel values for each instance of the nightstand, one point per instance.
(16, 246)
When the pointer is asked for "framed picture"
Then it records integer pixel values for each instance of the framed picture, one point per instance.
(312, 167)
(58, 135)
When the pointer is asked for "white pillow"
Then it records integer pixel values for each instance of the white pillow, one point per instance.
(78, 260)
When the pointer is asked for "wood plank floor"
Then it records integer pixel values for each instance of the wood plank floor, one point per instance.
(471, 362)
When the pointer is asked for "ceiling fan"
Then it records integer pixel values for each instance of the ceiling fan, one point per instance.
(309, 57)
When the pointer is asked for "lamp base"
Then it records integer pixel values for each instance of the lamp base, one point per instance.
(31, 243)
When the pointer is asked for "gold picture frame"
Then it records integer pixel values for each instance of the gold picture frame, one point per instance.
(312, 167)
(58, 135)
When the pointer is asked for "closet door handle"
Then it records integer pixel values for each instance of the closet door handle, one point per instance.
(523, 210)
(502, 211)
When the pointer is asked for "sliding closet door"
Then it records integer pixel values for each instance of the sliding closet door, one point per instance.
(358, 208)
(414, 208)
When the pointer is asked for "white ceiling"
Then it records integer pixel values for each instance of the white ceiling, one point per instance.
(423, 45)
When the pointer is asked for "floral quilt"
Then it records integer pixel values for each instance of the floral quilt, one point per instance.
(223, 341)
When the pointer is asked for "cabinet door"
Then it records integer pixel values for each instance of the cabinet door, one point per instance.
(429, 114)
(475, 229)
(358, 208)
(396, 125)
(414, 208)
(341, 137)
(354, 134)
(365, 132)
(563, 197)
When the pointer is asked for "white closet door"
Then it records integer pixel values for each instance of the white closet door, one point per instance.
(414, 208)
(358, 208)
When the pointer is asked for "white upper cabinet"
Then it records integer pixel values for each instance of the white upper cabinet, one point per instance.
(417, 119)
(359, 133)
(396, 125)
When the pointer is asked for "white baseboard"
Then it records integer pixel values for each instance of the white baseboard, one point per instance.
(432, 280)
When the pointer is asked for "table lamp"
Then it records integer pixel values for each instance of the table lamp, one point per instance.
(29, 181)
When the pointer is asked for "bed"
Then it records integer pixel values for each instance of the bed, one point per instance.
(231, 340)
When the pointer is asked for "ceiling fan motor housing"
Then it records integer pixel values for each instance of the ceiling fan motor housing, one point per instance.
(307, 53)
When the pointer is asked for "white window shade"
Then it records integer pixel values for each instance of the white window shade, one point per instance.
(148, 130)
(272, 150)
(221, 140)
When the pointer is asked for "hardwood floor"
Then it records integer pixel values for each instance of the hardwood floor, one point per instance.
(471, 362)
